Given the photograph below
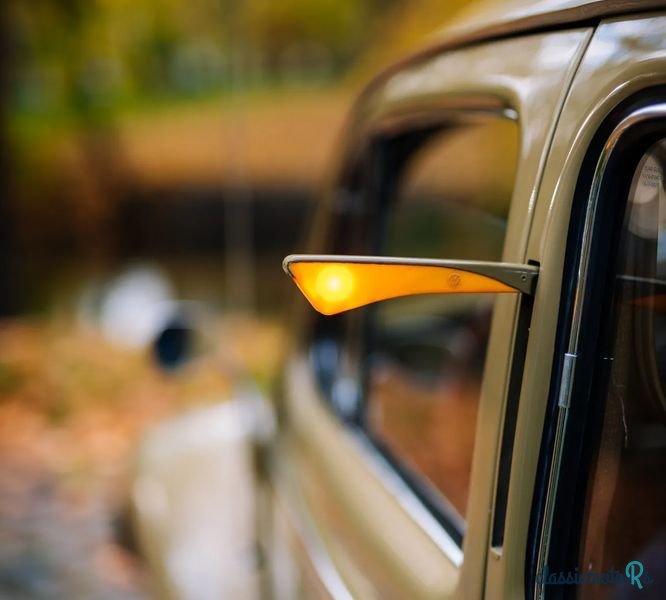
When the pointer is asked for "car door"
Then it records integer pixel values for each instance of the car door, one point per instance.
(397, 421)
(585, 507)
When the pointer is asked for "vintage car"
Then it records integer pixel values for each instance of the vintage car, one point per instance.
(480, 412)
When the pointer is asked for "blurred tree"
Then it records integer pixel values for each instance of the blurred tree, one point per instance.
(8, 282)
(78, 66)
(330, 31)
(95, 56)
(404, 27)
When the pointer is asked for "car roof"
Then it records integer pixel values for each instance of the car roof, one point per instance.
(493, 18)
(496, 19)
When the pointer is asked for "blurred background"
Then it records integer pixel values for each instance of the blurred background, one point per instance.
(155, 155)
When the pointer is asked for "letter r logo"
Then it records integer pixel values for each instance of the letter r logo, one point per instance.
(633, 571)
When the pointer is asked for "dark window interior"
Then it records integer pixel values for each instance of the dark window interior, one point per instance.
(625, 507)
(408, 371)
(426, 354)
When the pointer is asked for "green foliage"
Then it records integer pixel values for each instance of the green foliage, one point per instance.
(404, 27)
(337, 25)
(91, 56)
(90, 59)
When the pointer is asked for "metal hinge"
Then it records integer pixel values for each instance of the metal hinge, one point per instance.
(567, 379)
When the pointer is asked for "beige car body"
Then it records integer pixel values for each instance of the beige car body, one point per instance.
(343, 522)
(334, 520)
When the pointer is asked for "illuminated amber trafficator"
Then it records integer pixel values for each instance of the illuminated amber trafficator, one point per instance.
(334, 284)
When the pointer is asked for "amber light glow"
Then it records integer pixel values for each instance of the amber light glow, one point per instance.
(335, 283)
(334, 287)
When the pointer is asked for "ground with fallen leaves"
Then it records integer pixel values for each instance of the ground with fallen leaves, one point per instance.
(72, 410)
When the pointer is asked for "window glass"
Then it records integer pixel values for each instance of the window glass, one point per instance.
(425, 354)
(625, 514)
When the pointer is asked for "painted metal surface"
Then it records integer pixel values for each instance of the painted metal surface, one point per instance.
(492, 20)
(377, 544)
(625, 56)
(194, 500)
(353, 529)
(515, 16)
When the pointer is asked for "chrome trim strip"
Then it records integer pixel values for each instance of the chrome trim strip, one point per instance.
(656, 111)
(312, 548)
(440, 112)
(646, 280)
(406, 498)
(522, 278)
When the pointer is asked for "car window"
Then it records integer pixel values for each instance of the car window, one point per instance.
(625, 508)
(424, 355)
